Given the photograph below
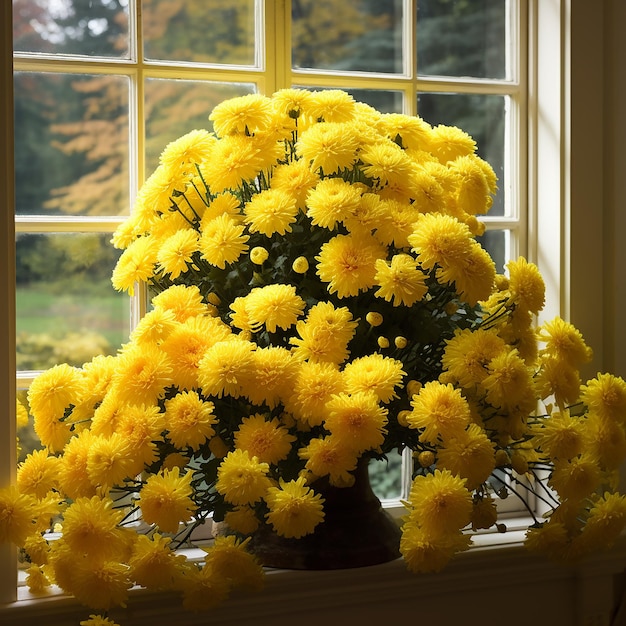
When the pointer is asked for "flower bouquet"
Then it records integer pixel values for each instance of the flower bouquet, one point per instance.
(319, 298)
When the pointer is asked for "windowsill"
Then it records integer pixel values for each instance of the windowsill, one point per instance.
(495, 566)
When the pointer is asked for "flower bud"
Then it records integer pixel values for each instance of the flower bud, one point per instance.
(300, 265)
(383, 342)
(258, 255)
(400, 342)
(374, 318)
(413, 387)
(426, 458)
(402, 417)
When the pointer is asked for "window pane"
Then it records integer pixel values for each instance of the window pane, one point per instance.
(67, 309)
(71, 148)
(386, 476)
(462, 38)
(357, 36)
(496, 242)
(175, 107)
(78, 27)
(483, 117)
(383, 101)
(200, 31)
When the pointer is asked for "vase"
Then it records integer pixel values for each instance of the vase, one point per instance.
(356, 532)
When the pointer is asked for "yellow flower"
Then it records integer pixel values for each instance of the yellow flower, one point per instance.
(176, 252)
(226, 368)
(141, 426)
(165, 499)
(242, 479)
(242, 114)
(328, 146)
(440, 410)
(473, 277)
(21, 415)
(386, 162)
(230, 561)
(509, 383)
(222, 241)
(357, 420)
(468, 353)
(90, 526)
(315, 384)
(36, 579)
(606, 521)
(274, 306)
(136, 264)
(294, 508)
(189, 420)
(73, 477)
(575, 478)
(376, 374)
(606, 395)
(300, 265)
(110, 460)
(203, 589)
(484, 513)
(470, 455)
(397, 224)
(413, 131)
(184, 153)
(100, 585)
(242, 519)
(331, 201)
(153, 326)
(331, 105)
(605, 439)
(98, 620)
(526, 285)
(473, 192)
(235, 159)
(16, 515)
(272, 211)
(258, 255)
(154, 564)
(266, 439)
(37, 474)
(184, 301)
(449, 142)
(557, 377)
(325, 334)
(400, 280)
(348, 264)
(142, 374)
(330, 456)
(224, 203)
(275, 370)
(559, 436)
(292, 102)
(564, 342)
(297, 178)
(440, 502)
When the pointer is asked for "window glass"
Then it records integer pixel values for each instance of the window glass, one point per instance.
(200, 31)
(496, 242)
(462, 38)
(175, 107)
(484, 118)
(67, 310)
(78, 27)
(71, 144)
(356, 36)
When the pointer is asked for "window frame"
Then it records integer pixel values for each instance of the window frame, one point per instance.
(556, 224)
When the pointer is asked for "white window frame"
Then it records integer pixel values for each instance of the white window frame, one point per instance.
(565, 151)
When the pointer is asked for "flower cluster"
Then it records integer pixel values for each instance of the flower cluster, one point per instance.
(319, 296)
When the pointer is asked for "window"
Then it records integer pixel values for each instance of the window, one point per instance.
(101, 87)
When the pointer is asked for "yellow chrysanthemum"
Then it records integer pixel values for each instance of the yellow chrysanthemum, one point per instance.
(274, 306)
(564, 342)
(297, 178)
(484, 513)
(275, 371)
(348, 264)
(440, 502)
(222, 241)
(469, 454)
(224, 203)
(473, 192)
(165, 499)
(292, 102)
(242, 114)
(176, 253)
(189, 420)
(136, 264)
(439, 410)
(331, 201)
(21, 415)
(473, 277)
(229, 559)
(242, 479)
(90, 526)
(98, 620)
(559, 436)
(397, 224)
(73, 477)
(325, 334)
(36, 579)
(294, 508)
(468, 353)
(184, 153)
(315, 384)
(357, 420)
(110, 460)
(386, 162)
(331, 105)
(203, 589)
(606, 395)
(37, 474)
(235, 158)
(272, 211)
(449, 142)
(526, 285)
(226, 368)
(413, 131)
(606, 440)
(184, 301)
(142, 374)
(606, 521)
(575, 478)
(328, 146)
(17, 512)
(376, 374)
(55, 390)
(330, 456)
(153, 326)
(154, 564)
(242, 519)
(266, 439)
(400, 280)
(141, 426)
(509, 383)
(100, 584)
(558, 378)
